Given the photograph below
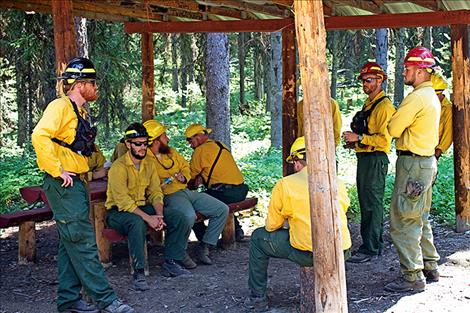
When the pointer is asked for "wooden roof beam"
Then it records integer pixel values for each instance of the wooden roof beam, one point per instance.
(428, 4)
(249, 7)
(209, 26)
(360, 4)
(398, 20)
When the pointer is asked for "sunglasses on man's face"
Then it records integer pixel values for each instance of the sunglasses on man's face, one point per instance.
(140, 143)
(369, 80)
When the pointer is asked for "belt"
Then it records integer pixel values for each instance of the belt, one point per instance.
(359, 154)
(226, 186)
(83, 177)
(409, 153)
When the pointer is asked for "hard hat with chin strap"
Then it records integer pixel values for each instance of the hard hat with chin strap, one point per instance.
(372, 68)
(154, 128)
(297, 150)
(135, 130)
(195, 129)
(78, 69)
(420, 57)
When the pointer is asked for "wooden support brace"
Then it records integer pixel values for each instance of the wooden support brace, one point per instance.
(228, 234)
(27, 243)
(104, 246)
(156, 237)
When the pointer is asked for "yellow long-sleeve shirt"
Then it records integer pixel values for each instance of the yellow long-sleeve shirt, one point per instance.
(95, 162)
(416, 121)
(119, 151)
(58, 121)
(129, 188)
(290, 201)
(225, 171)
(379, 138)
(445, 126)
(337, 121)
(167, 166)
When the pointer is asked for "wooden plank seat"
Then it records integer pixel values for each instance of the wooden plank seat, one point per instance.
(26, 220)
(111, 236)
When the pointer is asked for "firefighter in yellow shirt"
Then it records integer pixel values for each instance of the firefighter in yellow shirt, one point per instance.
(213, 165)
(337, 121)
(289, 203)
(181, 205)
(62, 150)
(371, 141)
(445, 121)
(416, 125)
(96, 164)
(135, 199)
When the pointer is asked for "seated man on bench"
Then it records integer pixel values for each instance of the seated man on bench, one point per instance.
(134, 198)
(292, 240)
(213, 165)
(181, 205)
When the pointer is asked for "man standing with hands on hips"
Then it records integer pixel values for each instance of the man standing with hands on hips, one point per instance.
(416, 125)
(63, 140)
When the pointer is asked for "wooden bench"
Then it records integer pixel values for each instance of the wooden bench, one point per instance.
(109, 236)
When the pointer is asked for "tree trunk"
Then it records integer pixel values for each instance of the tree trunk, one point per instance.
(399, 87)
(81, 36)
(275, 89)
(174, 60)
(186, 62)
(427, 37)
(381, 54)
(334, 61)
(241, 61)
(21, 69)
(258, 66)
(217, 84)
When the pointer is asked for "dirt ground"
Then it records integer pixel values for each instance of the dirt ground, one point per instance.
(223, 287)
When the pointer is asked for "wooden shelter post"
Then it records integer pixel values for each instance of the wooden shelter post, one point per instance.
(148, 91)
(329, 273)
(64, 34)
(289, 105)
(461, 123)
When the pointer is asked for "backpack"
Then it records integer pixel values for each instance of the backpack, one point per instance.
(361, 119)
(84, 142)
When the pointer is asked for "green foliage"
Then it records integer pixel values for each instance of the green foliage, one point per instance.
(262, 168)
(443, 195)
(17, 169)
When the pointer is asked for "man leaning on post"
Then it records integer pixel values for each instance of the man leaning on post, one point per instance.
(63, 153)
(416, 125)
(287, 233)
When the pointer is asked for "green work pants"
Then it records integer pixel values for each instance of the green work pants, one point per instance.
(135, 228)
(227, 194)
(180, 214)
(77, 260)
(265, 245)
(370, 180)
(409, 225)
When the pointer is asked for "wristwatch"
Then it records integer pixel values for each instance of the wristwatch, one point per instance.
(359, 138)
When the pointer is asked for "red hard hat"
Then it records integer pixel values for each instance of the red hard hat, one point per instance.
(420, 57)
(372, 68)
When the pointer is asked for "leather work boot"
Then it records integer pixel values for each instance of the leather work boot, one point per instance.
(81, 306)
(432, 276)
(403, 285)
(201, 253)
(239, 234)
(187, 262)
(359, 257)
(117, 307)
(140, 283)
(257, 303)
(172, 269)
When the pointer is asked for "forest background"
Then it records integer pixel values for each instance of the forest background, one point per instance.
(253, 118)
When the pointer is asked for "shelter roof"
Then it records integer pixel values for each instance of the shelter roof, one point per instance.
(220, 10)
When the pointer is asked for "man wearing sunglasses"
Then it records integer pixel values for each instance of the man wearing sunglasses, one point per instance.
(371, 141)
(134, 198)
(213, 166)
(287, 234)
(181, 206)
(415, 124)
(62, 153)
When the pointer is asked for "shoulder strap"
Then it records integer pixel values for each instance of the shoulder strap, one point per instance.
(221, 147)
(376, 102)
(63, 143)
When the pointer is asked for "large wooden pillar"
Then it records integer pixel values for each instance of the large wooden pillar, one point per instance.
(329, 274)
(148, 93)
(64, 34)
(289, 105)
(461, 123)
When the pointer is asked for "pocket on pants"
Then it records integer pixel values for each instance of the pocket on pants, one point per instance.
(72, 231)
(410, 207)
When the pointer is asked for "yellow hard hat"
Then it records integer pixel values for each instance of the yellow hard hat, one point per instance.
(195, 129)
(297, 150)
(438, 83)
(154, 128)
